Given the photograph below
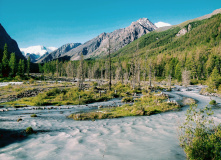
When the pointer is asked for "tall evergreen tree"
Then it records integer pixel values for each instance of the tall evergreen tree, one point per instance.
(12, 65)
(178, 73)
(5, 66)
(23, 67)
(214, 79)
(0, 69)
(19, 72)
(28, 65)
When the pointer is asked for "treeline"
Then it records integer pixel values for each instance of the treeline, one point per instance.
(12, 67)
(200, 64)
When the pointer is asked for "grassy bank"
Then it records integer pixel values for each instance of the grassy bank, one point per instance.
(146, 105)
(74, 96)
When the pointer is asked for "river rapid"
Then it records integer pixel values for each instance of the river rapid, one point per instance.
(57, 137)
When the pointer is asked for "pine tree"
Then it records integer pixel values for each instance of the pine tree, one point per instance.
(0, 69)
(214, 79)
(178, 73)
(23, 68)
(40, 68)
(19, 73)
(28, 65)
(12, 65)
(5, 66)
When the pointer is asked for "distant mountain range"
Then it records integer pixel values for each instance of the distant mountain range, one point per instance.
(58, 52)
(99, 45)
(35, 52)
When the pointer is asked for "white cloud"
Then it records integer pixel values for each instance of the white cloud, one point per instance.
(162, 24)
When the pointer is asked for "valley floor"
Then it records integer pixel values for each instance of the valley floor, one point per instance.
(57, 137)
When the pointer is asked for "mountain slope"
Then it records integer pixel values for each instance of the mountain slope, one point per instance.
(201, 32)
(58, 52)
(217, 11)
(198, 50)
(12, 44)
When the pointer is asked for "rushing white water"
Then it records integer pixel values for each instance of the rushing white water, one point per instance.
(2, 84)
(141, 137)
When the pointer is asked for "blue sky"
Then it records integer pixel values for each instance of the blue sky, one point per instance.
(57, 22)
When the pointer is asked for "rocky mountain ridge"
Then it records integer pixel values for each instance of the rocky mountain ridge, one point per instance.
(98, 46)
(58, 52)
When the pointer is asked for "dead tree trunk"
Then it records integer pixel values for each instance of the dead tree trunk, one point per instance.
(81, 73)
(109, 48)
(150, 73)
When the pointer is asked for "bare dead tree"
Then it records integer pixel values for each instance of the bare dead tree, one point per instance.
(138, 68)
(150, 73)
(102, 73)
(109, 50)
(186, 77)
(106, 74)
(89, 74)
(145, 70)
(119, 72)
(169, 78)
(57, 68)
(132, 73)
(74, 70)
(81, 74)
(126, 77)
(69, 69)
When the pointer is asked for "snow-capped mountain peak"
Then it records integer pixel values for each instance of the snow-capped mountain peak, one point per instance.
(37, 50)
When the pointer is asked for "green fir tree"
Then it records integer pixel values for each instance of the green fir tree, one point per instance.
(12, 65)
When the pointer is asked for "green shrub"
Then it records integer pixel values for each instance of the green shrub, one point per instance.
(127, 99)
(39, 99)
(199, 137)
(29, 130)
(194, 82)
(33, 115)
(18, 78)
(53, 92)
(31, 81)
(212, 102)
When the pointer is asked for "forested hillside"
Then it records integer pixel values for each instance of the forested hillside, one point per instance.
(195, 48)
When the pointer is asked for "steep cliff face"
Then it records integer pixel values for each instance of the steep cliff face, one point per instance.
(58, 53)
(12, 44)
(118, 39)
